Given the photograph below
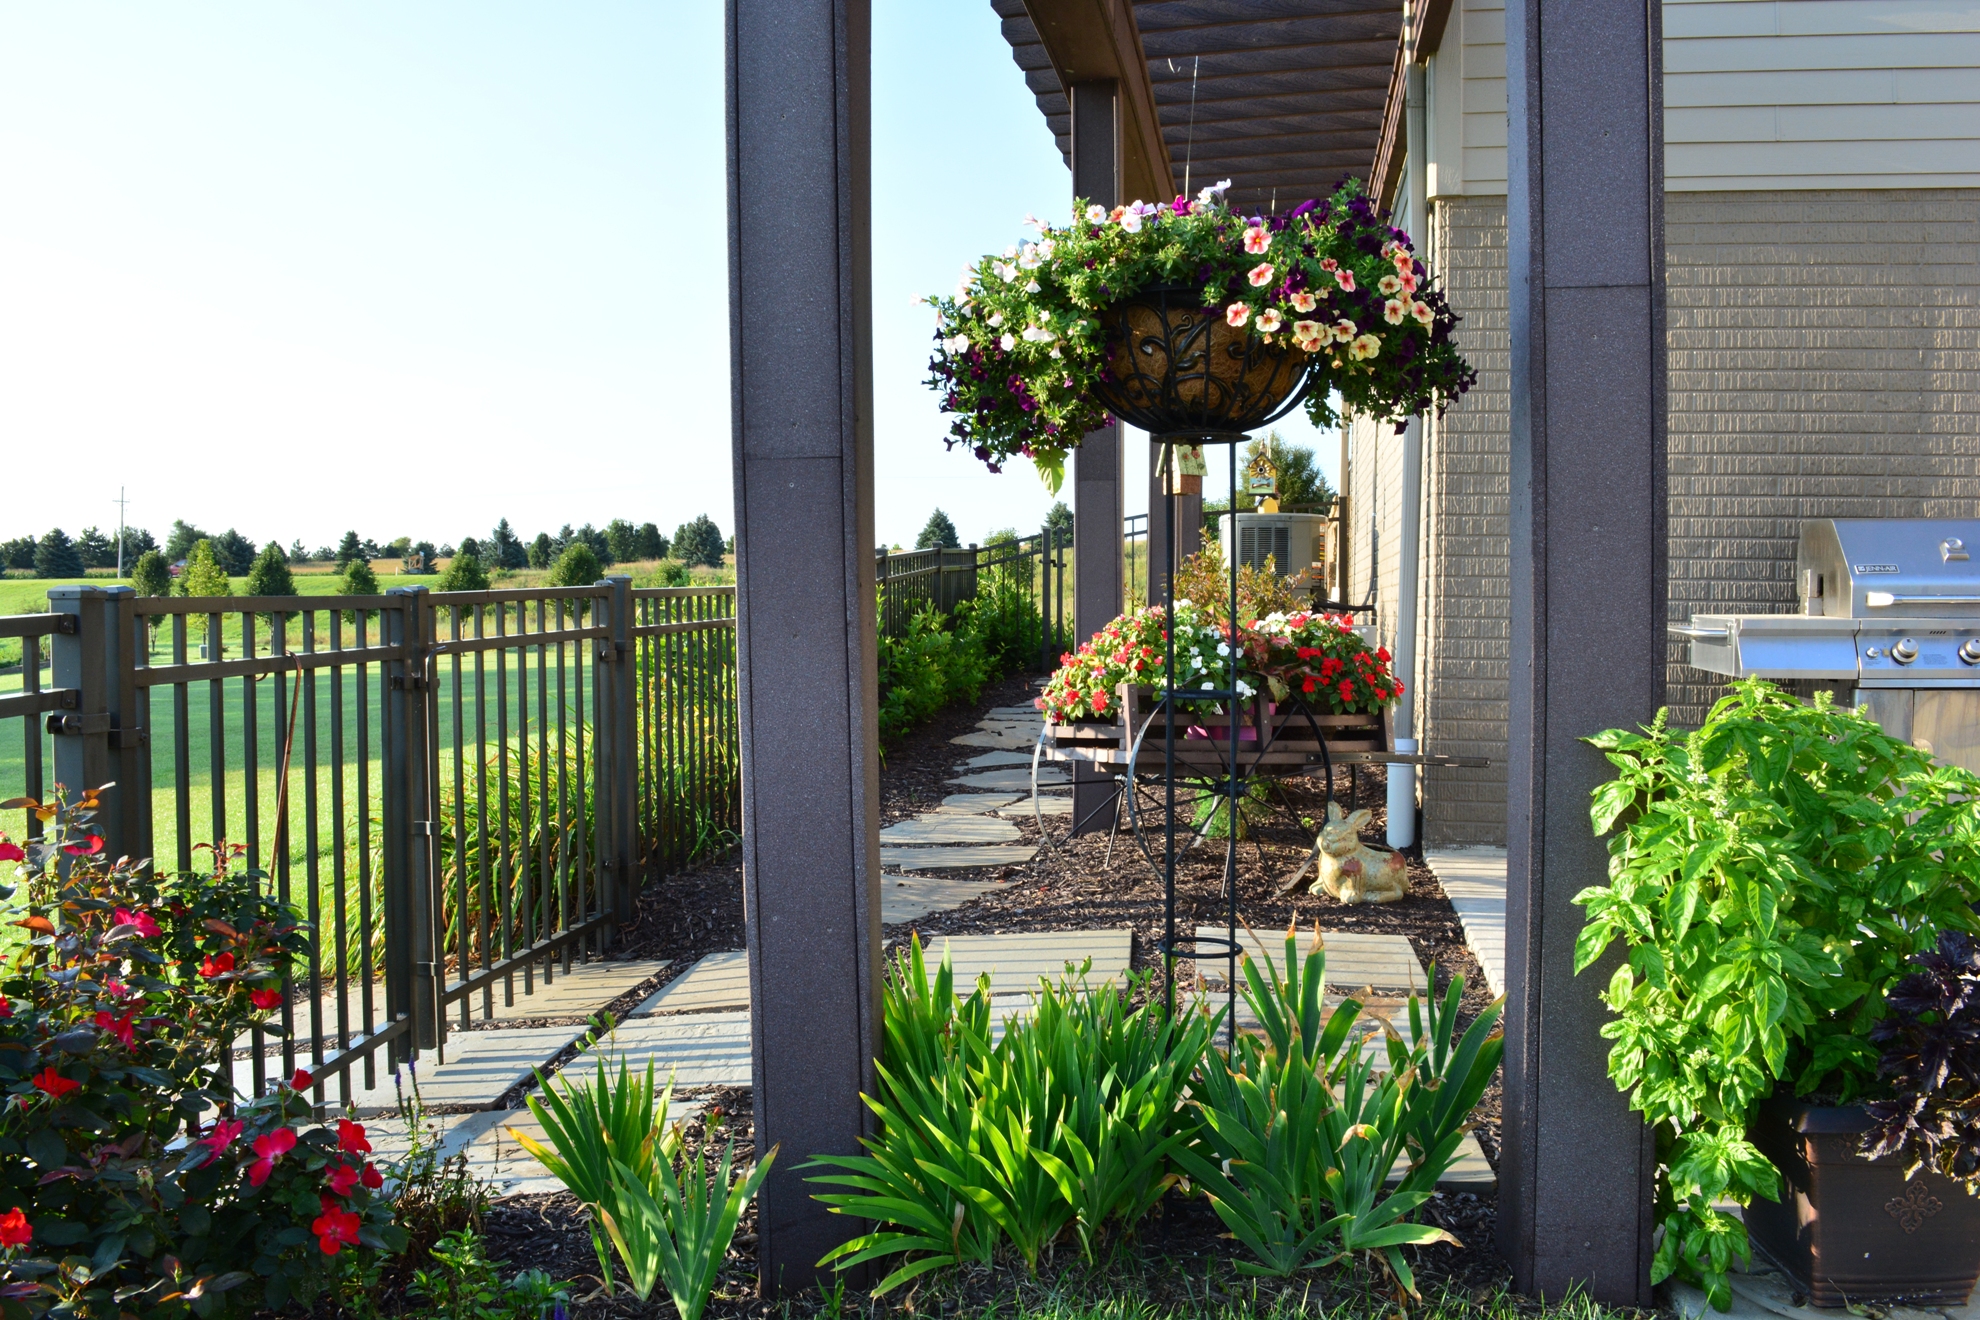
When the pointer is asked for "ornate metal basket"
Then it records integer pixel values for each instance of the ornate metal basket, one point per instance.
(1176, 368)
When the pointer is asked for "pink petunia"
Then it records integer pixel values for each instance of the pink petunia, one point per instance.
(1260, 275)
(1237, 313)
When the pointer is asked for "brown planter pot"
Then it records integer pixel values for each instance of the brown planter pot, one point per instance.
(1848, 1229)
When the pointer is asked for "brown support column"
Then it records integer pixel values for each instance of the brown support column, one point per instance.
(1585, 227)
(803, 436)
(1098, 510)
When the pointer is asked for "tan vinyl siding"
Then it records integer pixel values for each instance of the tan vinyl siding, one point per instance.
(1465, 627)
(1824, 362)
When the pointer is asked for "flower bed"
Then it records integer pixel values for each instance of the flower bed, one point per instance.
(1031, 341)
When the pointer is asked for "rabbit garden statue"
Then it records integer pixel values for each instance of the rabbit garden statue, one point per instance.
(1352, 871)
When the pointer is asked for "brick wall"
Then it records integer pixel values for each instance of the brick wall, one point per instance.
(1825, 362)
(1465, 625)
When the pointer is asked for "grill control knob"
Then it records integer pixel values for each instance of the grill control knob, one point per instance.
(1970, 652)
(1904, 650)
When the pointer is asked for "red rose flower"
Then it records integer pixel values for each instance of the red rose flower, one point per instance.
(350, 1137)
(211, 967)
(343, 1177)
(53, 1084)
(15, 1231)
(147, 928)
(11, 852)
(120, 1027)
(302, 1081)
(271, 1149)
(225, 1132)
(265, 999)
(335, 1228)
(372, 1178)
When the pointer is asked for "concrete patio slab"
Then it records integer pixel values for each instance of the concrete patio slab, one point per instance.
(950, 827)
(1016, 962)
(1386, 962)
(718, 980)
(1009, 781)
(957, 856)
(904, 898)
(1474, 879)
(701, 1049)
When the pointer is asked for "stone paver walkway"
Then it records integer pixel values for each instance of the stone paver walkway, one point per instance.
(1474, 879)
(957, 857)
(580, 992)
(995, 761)
(1016, 779)
(950, 827)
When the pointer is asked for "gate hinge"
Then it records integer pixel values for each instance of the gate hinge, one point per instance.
(409, 683)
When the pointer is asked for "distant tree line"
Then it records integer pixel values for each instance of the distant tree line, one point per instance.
(194, 562)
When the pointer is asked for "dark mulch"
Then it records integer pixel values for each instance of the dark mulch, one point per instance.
(1181, 1257)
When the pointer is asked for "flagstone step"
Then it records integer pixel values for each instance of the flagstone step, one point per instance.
(1354, 960)
(995, 760)
(1053, 805)
(904, 898)
(979, 802)
(1009, 781)
(952, 857)
(697, 1049)
(1001, 739)
(950, 827)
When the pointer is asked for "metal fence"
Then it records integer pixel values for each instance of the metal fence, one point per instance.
(462, 791)
(915, 580)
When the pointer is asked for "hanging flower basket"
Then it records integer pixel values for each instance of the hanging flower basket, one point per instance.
(1190, 320)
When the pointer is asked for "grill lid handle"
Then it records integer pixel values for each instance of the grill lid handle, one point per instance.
(1883, 600)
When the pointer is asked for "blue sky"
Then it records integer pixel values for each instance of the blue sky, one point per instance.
(411, 268)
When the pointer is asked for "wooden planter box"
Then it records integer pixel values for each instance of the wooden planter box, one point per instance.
(1280, 741)
(1847, 1229)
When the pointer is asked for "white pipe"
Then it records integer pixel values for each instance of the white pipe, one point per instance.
(1402, 778)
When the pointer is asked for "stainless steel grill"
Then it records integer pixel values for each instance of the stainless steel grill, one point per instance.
(1889, 621)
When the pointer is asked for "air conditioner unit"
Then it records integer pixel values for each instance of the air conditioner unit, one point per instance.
(1296, 543)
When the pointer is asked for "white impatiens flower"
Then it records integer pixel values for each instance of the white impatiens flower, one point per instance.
(1007, 343)
(1007, 271)
(1010, 252)
(1046, 248)
(960, 344)
(1208, 684)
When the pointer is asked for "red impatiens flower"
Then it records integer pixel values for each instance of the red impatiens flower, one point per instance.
(53, 1084)
(343, 1177)
(351, 1138)
(119, 1026)
(302, 1081)
(11, 852)
(1347, 690)
(270, 1148)
(265, 999)
(211, 966)
(147, 928)
(225, 1132)
(336, 1228)
(15, 1231)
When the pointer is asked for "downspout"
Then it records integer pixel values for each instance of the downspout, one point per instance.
(1402, 778)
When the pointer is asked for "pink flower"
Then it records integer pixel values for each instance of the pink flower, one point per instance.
(1256, 240)
(1260, 275)
(1393, 311)
(1404, 261)
(225, 1132)
(119, 1027)
(1345, 278)
(1409, 284)
(1237, 313)
(11, 852)
(1329, 264)
(1269, 320)
(270, 1149)
(1388, 284)
(1421, 311)
(1344, 330)
(1303, 301)
(146, 927)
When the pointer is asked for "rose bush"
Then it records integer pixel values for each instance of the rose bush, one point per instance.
(1021, 344)
(130, 1180)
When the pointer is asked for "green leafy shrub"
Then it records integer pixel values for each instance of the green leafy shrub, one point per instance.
(1006, 618)
(464, 1285)
(1069, 1121)
(116, 1027)
(576, 567)
(204, 575)
(933, 666)
(270, 575)
(151, 575)
(465, 572)
(1769, 876)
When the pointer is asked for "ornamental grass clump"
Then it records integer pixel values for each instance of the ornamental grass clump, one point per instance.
(1771, 875)
(1023, 343)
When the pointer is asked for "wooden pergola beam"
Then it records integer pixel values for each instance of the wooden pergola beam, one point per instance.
(1097, 41)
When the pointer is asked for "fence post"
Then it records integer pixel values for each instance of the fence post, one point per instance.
(96, 740)
(618, 743)
(408, 825)
(1045, 597)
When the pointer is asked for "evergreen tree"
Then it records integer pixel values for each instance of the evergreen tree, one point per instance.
(235, 553)
(652, 545)
(542, 553)
(622, 539)
(269, 575)
(17, 553)
(357, 579)
(371, 550)
(183, 538)
(464, 573)
(506, 548)
(939, 534)
(564, 537)
(136, 542)
(1060, 521)
(151, 575)
(601, 550)
(348, 549)
(95, 549)
(56, 557)
(429, 555)
(296, 552)
(325, 554)
(699, 542)
(204, 576)
(576, 567)
(469, 546)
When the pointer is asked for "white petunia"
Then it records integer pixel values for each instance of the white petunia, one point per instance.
(996, 319)
(1008, 342)
(1032, 287)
